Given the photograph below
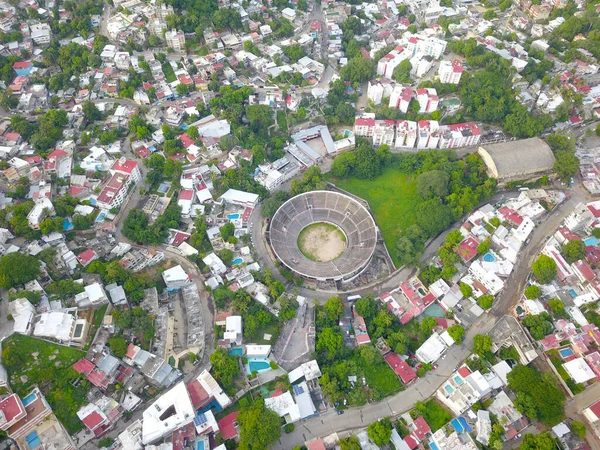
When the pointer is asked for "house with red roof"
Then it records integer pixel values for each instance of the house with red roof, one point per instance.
(86, 257)
(400, 368)
(583, 271)
(182, 437)
(94, 419)
(364, 126)
(228, 426)
(467, 249)
(23, 68)
(360, 329)
(511, 216)
(417, 293)
(12, 410)
(420, 428)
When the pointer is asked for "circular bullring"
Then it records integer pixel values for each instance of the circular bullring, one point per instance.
(323, 235)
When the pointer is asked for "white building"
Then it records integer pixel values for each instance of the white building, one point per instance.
(22, 311)
(400, 98)
(364, 126)
(285, 406)
(93, 295)
(240, 198)
(434, 347)
(406, 134)
(41, 33)
(428, 100)
(387, 64)
(233, 330)
(215, 263)
(175, 278)
(212, 388)
(175, 40)
(450, 72)
(579, 370)
(43, 207)
(55, 325)
(428, 134)
(379, 89)
(169, 412)
(383, 133)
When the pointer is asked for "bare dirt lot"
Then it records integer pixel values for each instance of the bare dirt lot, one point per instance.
(322, 242)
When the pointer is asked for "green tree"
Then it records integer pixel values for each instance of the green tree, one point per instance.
(466, 290)
(538, 442)
(90, 111)
(380, 432)
(544, 269)
(402, 72)
(294, 52)
(350, 443)
(557, 307)
(366, 307)
(578, 428)
(334, 308)
(427, 325)
(457, 332)
(532, 292)
(192, 132)
(106, 442)
(260, 427)
(156, 161)
(227, 230)
(526, 405)
(573, 251)
(118, 346)
(539, 325)
(485, 301)
(482, 345)
(489, 14)
(224, 368)
(433, 216)
(330, 342)
(358, 70)
(226, 256)
(18, 268)
(433, 183)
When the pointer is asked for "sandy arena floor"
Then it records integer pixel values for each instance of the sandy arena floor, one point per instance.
(322, 242)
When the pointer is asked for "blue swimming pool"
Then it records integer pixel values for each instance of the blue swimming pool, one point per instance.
(67, 225)
(237, 261)
(101, 216)
(434, 310)
(566, 352)
(572, 293)
(591, 241)
(465, 425)
(238, 351)
(30, 398)
(200, 445)
(449, 389)
(458, 380)
(460, 425)
(258, 365)
(488, 257)
(432, 446)
(233, 216)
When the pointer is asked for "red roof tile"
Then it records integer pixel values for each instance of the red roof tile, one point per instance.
(227, 426)
(400, 368)
(84, 366)
(92, 420)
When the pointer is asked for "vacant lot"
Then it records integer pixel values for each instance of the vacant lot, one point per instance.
(392, 198)
(31, 362)
(322, 242)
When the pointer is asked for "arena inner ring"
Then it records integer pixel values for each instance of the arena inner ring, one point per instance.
(341, 210)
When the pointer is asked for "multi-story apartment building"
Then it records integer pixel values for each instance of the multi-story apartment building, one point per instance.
(450, 72)
(175, 40)
(383, 133)
(406, 134)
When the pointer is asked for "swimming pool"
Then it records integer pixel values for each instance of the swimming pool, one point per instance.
(238, 351)
(591, 241)
(566, 352)
(458, 380)
(432, 446)
(30, 398)
(200, 445)
(572, 293)
(237, 261)
(233, 216)
(258, 365)
(100, 217)
(460, 425)
(434, 310)
(488, 257)
(449, 389)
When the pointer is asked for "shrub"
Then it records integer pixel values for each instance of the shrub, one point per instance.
(273, 365)
(289, 427)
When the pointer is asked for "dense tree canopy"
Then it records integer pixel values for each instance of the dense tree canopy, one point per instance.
(548, 399)
(260, 427)
(544, 269)
(17, 268)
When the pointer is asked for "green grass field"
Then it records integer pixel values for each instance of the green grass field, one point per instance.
(392, 198)
(169, 72)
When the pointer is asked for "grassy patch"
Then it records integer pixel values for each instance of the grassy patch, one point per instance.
(168, 71)
(51, 370)
(310, 237)
(434, 414)
(98, 316)
(381, 379)
(273, 329)
(282, 121)
(392, 198)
